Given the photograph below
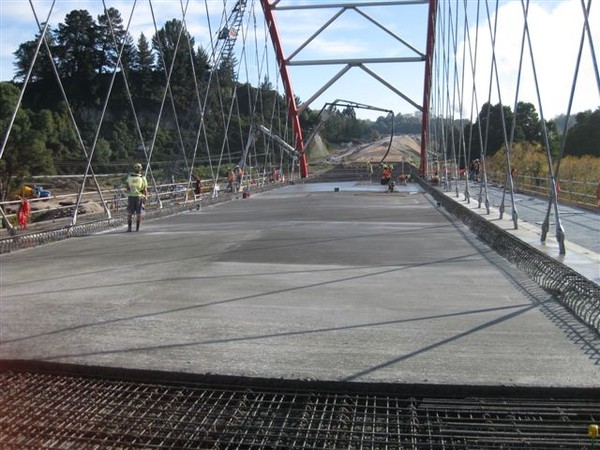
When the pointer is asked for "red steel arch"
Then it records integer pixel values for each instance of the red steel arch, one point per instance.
(415, 55)
(433, 4)
(285, 77)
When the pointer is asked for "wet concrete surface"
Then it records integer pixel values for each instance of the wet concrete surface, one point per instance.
(303, 282)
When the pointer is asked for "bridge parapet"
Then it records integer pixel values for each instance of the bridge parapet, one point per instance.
(579, 294)
(58, 233)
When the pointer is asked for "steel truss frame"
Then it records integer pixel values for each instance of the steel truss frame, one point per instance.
(284, 62)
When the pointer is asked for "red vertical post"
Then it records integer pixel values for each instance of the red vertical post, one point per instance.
(285, 78)
(427, 85)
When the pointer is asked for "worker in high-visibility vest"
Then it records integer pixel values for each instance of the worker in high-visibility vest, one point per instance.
(137, 191)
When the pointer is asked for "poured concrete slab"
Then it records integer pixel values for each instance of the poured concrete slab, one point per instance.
(305, 282)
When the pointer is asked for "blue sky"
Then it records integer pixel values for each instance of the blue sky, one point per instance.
(555, 26)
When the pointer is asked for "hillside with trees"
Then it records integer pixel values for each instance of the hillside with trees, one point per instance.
(58, 122)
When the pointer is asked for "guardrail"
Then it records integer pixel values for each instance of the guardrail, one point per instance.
(58, 207)
(576, 191)
(115, 199)
(172, 202)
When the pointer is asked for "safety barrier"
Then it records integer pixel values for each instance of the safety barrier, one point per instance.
(56, 233)
(579, 294)
(22, 241)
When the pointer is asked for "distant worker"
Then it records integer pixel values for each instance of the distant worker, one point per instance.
(230, 180)
(137, 191)
(197, 185)
(239, 173)
(598, 195)
(391, 185)
(403, 178)
(23, 213)
(370, 170)
(386, 175)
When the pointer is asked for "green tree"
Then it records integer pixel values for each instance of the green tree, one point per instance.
(103, 152)
(142, 78)
(527, 126)
(67, 145)
(332, 131)
(143, 60)
(78, 46)
(25, 55)
(45, 122)
(584, 136)
(123, 141)
(112, 36)
(25, 153)
(201, 64)
(383, 124)
(407, 124)
(266, 84)
(351, 128)
(175, 45)
(491, 129)
(176, 48)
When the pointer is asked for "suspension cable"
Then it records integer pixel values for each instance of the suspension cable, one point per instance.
(553, 201)
(68, 106)
(20, 99)
(102, 116)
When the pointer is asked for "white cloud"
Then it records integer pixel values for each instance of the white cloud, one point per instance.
(555, 27)
(18, 24)
(555, 31)
(352, 36)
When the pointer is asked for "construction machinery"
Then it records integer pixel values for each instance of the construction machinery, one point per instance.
(227, 36)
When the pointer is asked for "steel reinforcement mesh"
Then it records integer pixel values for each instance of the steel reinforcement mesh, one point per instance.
(41, 410)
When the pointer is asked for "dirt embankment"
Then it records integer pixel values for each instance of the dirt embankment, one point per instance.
(405, 148)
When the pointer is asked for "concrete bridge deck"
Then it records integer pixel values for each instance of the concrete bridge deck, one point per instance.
(299, 283)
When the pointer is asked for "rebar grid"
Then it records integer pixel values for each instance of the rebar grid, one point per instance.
(74, 412)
